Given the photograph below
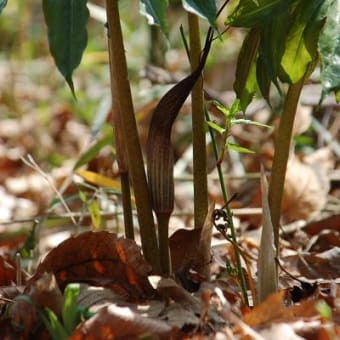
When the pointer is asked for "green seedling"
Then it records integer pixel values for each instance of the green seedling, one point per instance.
(230, 119)
(72, 314)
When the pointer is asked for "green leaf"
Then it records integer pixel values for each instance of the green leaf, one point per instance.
(337, 96)
(270, 52)
(206, 9)
(249, 122)
(235, 107)
(70, 311)
(301, 41)
(94, 211)
(155, 12)
(219, 106)
(329, 47)
(3, 4)
(53, 325)
(66, 22)
(245, 82)
(93, 150)
(237, 148)
(216, 127)
(324, 309)
(249, 13)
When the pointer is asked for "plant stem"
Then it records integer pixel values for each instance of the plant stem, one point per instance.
(121, 155)
(127, 208)
(281, 155)
(163, 237)
(198, 128)
(230, 215)
(130, 136)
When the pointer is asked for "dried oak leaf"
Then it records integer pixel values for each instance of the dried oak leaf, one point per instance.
(325, 265)
(191, 253)
(273, 309)
(102, 259)
(114, 322)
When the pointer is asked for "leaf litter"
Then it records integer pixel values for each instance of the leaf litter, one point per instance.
(202, 300)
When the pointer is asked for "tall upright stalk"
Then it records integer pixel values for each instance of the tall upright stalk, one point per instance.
(198, 128)
(130, 135)
(121, 155)
(281, 155)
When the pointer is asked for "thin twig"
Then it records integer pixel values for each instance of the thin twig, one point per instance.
(29, 161)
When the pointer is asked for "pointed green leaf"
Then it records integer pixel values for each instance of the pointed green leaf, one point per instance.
(249, 13)
(329, 47)
(216, 127)
(249, 122)
(235, 107)
(206, 9)
(155, 12)
(245, 82)
(337, 96)
(3, 4)
(94, 211)
(301, 42)
(237, 148)
(53, 325)
(93, 151)
(70, 311)
(270, 52)
(66, 22)
(219, 106)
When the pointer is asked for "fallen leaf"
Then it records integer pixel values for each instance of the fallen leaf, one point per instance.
(99, 258)
(191, 253)
(114, 322)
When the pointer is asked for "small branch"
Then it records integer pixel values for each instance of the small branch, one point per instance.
(29, 161)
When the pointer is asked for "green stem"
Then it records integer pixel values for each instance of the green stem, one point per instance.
(230, 215)
(130, 136)
(281, 155)
(198, 128)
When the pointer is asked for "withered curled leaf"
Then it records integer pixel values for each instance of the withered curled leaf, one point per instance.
(159, 149)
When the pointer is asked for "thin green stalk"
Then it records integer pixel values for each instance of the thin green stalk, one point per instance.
(130, 136)
(198, 128)
(281, 155)
(230, 215)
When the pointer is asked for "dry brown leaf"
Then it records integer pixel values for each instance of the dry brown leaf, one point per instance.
(273, 309)
(191, 253)
(325, 265)
(325, 240)
(114, 322)
(305, 191)
(99, 258)
(316, 226)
